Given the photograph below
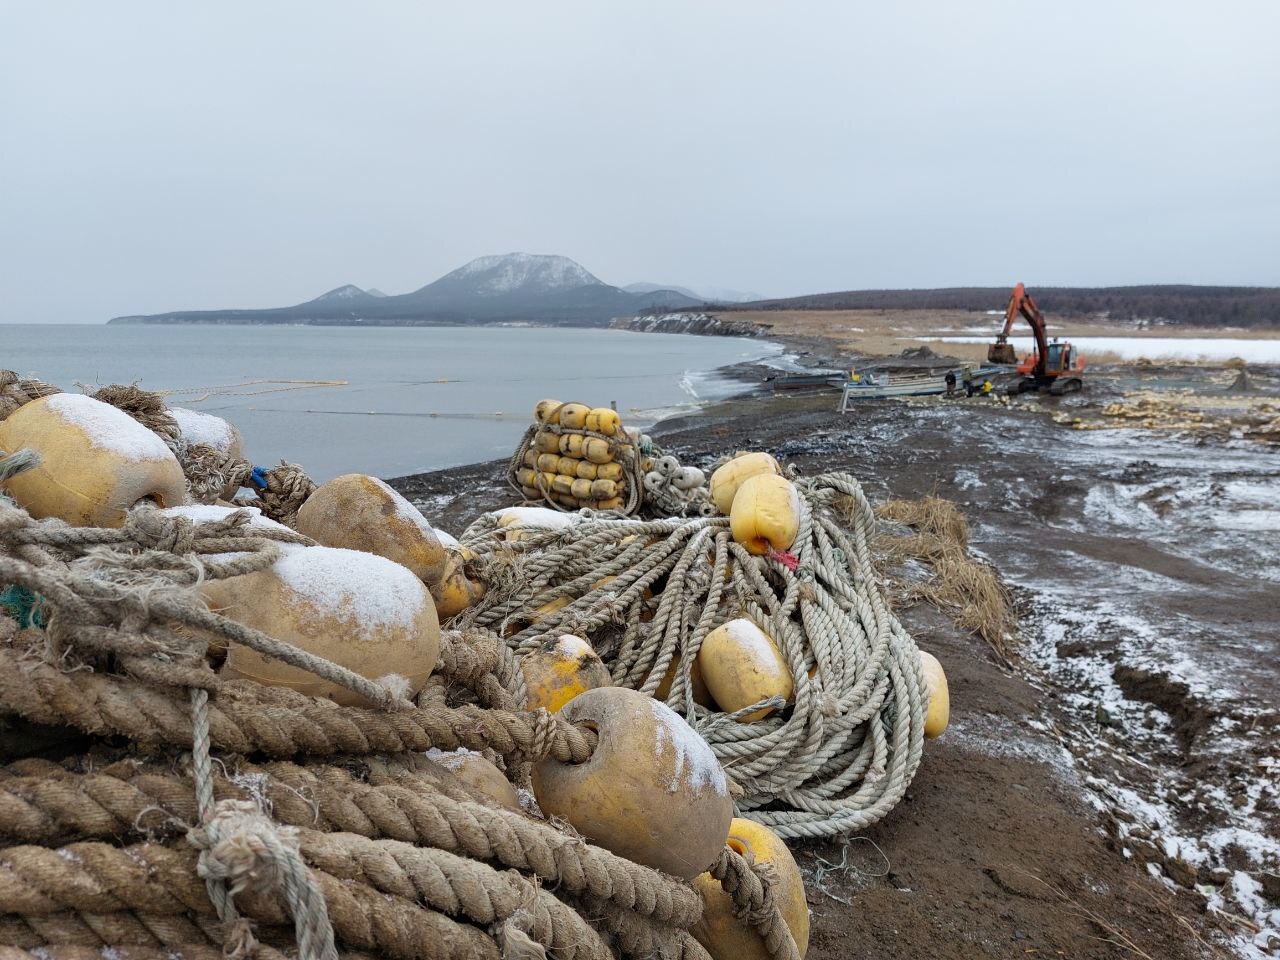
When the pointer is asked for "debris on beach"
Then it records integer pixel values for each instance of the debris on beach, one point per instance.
(304, 718)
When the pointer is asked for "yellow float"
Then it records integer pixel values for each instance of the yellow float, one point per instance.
(359, 610)
(574, 415)
(557, 672)
(521, 523)
(938, 713)
(597, 451)
(360, 512)
(455, 591)
(652, 791)
(766, 513)
(742, 665)
(479, 774)
(96, 462)
(544, 409)
(698, 686)
(603, 420)
(726, 480)
(728, 937)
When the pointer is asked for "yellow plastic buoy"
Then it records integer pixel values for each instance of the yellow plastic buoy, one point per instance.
(726, 481)
(362, 611)
(587, 470)
(360, 512)
(652, 791)
(96, 462)
(557, 672)
(766, 513)
(698, 686)
(543, 410)
(597, 450)
(455, 591)
(742, 665)
(603, 420)
(728, 937)
(938, 713)
(574, 415)
(609, 471)
(544, 441)
(479, 774)
(520, 523)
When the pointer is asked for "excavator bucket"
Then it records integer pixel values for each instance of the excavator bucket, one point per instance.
(1001, 353)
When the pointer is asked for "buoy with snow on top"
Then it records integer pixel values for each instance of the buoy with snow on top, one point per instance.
(96, 462)
(361, 611)
(652, 790)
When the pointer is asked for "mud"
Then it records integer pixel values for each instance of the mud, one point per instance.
(1115, 794)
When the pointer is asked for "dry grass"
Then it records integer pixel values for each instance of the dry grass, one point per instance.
(886, 333)
(966, 589)
(933, 515)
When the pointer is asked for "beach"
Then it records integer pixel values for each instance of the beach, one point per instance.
(1113, 784)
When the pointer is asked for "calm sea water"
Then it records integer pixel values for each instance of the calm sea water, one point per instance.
(401, 400)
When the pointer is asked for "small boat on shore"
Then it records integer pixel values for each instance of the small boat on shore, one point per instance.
(883, 386)
(818, 380)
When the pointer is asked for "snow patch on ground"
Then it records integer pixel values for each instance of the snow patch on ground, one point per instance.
(1133, 348)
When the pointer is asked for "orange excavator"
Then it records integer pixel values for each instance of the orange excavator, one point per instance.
(1055, 366)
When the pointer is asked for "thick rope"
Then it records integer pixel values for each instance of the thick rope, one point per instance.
(110, 662)
(41, 802)
(15, 391)
(275, 722)
(843, 755)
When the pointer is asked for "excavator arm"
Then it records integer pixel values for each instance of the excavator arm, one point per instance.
(1020, 304)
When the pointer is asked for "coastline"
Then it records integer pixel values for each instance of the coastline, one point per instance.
(1023, 832)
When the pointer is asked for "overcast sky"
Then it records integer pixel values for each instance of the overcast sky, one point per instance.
(158, 156)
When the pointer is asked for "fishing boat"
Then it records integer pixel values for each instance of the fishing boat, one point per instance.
(807, 381)
(883, 386)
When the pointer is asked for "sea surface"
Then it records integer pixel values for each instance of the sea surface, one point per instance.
(384, 400)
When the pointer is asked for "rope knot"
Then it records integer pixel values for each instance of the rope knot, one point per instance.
(242, 848)
(152, 530)
(544, 735)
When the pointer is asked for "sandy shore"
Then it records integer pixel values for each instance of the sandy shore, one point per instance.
(1114, 792)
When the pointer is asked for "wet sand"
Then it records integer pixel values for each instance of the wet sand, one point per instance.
(1115, 792)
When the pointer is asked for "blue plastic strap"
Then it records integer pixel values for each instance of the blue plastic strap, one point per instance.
(259, 478)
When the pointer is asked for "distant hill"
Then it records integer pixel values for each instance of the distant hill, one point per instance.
(493, 289)
(707, 294)
(1176, 304)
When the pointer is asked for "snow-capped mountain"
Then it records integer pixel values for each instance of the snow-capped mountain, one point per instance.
(512, 286)
(509, 273)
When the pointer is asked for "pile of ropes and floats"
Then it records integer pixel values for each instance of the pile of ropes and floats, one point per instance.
(153, 803)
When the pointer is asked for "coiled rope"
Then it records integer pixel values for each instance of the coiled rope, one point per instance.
(647, 593)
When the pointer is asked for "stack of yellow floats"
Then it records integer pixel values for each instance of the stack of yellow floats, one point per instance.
(576, 458)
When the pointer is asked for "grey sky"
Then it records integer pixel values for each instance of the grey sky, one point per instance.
(158, 156)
